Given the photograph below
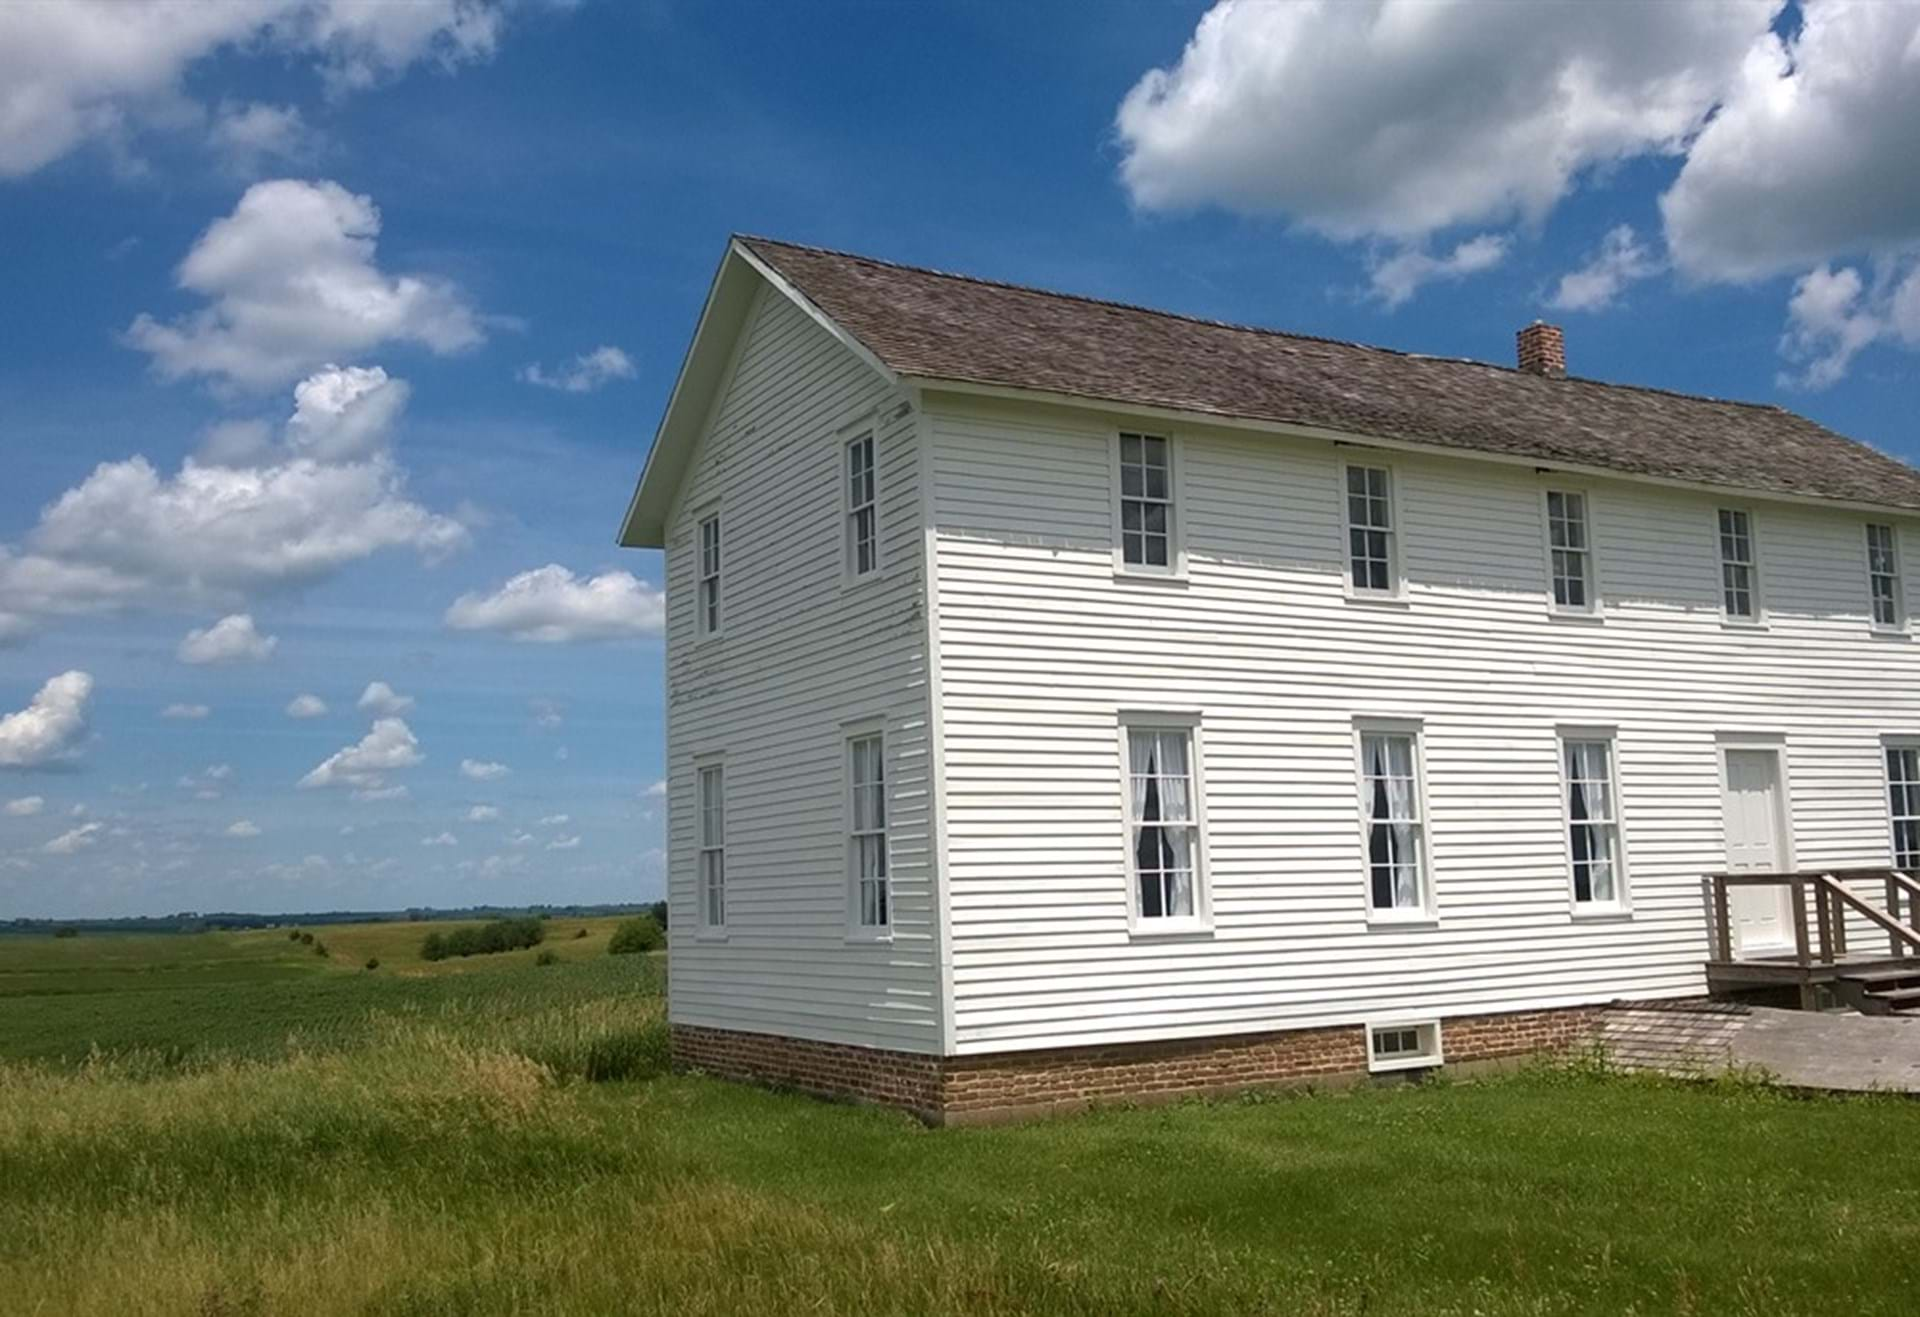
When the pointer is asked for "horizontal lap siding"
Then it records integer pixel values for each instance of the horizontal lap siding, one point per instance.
(801, 654)
(1041, 646)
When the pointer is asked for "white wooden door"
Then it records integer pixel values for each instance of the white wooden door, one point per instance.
(1756, 843)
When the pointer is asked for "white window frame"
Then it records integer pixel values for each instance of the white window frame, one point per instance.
(709, 617)
(1186, 722)
(1426, 910)
(1899, 622)
(851, 508)
(1426, 1053)
(1176, 568)
(1589, 555)
(858, 929)
(709, 845)
(1396, 556)
(1622, 902)
(1889, 746)
(1758, 616)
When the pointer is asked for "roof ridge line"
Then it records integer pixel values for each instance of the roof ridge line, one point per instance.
(1264, 330)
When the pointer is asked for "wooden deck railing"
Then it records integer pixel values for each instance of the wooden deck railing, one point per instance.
(1824, 939)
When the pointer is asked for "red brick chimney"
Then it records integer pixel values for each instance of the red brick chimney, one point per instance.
(1543, 350)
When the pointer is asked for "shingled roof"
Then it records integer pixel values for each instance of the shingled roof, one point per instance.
(936, 326)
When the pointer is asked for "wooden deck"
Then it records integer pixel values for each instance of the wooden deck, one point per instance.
(1814, 983)
(1821, 968)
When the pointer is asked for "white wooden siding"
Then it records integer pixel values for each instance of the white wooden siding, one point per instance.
(1041, 644)
(802, 652)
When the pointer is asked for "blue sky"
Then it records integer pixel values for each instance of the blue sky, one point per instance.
(429, 218)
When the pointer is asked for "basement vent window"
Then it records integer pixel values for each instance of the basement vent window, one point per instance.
(1403, 1046)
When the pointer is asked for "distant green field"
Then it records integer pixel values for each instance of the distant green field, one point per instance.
(258, 994)
(265, 1132)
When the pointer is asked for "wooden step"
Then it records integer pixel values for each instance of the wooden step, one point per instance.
(1898, 999)
(1891, 974)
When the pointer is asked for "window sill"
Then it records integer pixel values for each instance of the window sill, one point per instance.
(710, 935)
(870, 937)
(1420, 1061)
(849, 583)
(1894, 633)
(1170, 930)
(1606, 914)
(1743, 623)
(1370, 599)
(1139, 576)
(1578, 616)
(1410, 919)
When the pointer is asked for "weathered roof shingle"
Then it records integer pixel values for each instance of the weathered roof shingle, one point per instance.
(951, 327)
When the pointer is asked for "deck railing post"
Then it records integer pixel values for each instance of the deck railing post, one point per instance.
(1823, 912)
(1802, 953)
(1722, 916)
(1893, 910)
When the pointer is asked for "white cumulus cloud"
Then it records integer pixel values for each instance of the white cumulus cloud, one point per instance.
(1398, 277)
(306, 706)
(552, 605)
(482, 814)
(390, 745)
(1622, 259)
(104, 70)
(655, 790)
(1370, 118)
(25, 806)
(185, 712)
(291, 283)
(249, 134)
(482, 770)
(553, 820)
(1835, 315)
(585, 373)
(77, 839)
(233, 639)
(564, 844)
(51, 725)
(443, 839)
(380, 698)
(243, 828)
(249, 516)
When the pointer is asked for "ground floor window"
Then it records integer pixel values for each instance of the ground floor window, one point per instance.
(713, 846)
(867, 832)
(1903, 804)
(1593, 825)
(1163, 827)
(1395, 827)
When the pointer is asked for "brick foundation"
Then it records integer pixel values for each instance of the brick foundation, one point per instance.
(966, 1089)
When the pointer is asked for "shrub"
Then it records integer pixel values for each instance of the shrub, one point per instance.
(373, 962)
(74, 932)
(641, 933)
(579, 933)
(307, 938)
(659, 912)
(319, 948)
(293, 935)
(493, 936)
(547, 956)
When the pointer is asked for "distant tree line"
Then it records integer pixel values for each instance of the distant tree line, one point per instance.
(193, 921)
(486, 939)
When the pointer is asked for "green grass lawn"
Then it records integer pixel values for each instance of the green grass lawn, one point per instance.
(458, 1157)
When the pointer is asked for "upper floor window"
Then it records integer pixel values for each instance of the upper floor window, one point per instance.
(709, 595)
(1883, 576)
(1903, 804)
(1739, 570)
(1163, 825)
(863, 540)
(1395, 827)
(1371, 551)
(1570, 543)
(1593, 822)
(867, 832)
(713, 846)
(1146, 501)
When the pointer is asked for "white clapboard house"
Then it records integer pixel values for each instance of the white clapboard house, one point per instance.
(1067, 699)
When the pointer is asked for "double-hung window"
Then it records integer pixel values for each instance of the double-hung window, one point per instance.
(1163, 823)
(1739, 569)
(1593, 823)
(1372, 555)
(713, 846)
(1570, 544)
(709, 593)
(1395, 827)
(1883, 576)
(867, 869)
(1903, 804)
(863, 541)
(1146, 502)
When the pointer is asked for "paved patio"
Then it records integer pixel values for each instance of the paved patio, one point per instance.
(1840, 1051)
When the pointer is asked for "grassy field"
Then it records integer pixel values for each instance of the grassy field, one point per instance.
(505, 1139)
